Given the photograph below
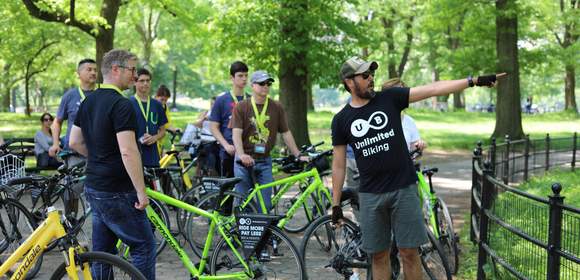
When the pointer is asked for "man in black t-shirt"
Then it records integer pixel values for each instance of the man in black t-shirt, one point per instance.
(104, 132)
(389, 202)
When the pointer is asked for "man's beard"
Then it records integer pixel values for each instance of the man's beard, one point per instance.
(366, 94)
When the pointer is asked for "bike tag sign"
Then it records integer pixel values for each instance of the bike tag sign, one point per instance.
(251, 229)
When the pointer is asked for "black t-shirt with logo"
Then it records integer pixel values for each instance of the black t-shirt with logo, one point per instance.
(101, 116)
(375, 133)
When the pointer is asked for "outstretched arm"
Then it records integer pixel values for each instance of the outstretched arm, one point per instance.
(447, 87)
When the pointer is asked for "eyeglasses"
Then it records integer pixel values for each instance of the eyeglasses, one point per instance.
(133, 69)
(144, 81)
(47, 120)
(265, 84)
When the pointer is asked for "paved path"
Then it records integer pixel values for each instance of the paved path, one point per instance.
(453, 183)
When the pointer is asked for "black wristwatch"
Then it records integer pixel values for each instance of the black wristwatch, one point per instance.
(470, 81)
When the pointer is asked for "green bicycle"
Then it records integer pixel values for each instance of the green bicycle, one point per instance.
(251, 246)
(309, 201)
(437, 214)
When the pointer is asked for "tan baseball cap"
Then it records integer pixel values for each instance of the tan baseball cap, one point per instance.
(356, 65)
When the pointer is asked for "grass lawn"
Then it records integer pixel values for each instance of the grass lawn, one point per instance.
(443, 131)
(532, 218)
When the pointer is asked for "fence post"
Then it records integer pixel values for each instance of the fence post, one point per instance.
(547, 151)
(487, 189)
(555, 232)
(506, 166)
(492, 151)
(526, 157)
(477, 155)
(574, 148)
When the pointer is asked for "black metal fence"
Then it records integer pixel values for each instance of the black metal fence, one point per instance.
(520, 235)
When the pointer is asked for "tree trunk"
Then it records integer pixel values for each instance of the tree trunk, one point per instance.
(570, 85)
(6, 87)
(294, 85)
(106, 37)
(389, 28)
(508, 119)
(458, 101)
(27, 110)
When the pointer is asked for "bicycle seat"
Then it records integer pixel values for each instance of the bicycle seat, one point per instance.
(225, 184)
(26, 180)
(430, 171)
(172, 152)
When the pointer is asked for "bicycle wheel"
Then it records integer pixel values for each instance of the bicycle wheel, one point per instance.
(447, 237)
(102, 266)
(433, 260)
(191, 197)
(308, 211)
(332, 252)
(17, 226)
(197, 227)
(279, 259)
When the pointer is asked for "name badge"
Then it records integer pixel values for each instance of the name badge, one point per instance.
(260, 148)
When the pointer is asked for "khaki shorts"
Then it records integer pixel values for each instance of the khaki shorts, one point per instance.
(397, 212)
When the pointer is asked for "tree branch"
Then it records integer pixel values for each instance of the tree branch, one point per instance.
(558, 38)
(56, 16)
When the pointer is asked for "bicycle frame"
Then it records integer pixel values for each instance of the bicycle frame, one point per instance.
(315, 187)
(36, 243)
(166, 160)
(425, 192)
(216, 221)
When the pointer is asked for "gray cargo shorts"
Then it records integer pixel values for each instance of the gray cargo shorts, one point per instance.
(398, 212)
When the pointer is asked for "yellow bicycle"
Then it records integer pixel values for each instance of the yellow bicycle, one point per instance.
(78, 263)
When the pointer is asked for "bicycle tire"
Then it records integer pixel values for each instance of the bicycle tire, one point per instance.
(283, 260)
(310, 210)
(19, 226)
(433, 259)
(162, 212)
(191, 197)
(197, 238)
(339, 255)
(447, 237)
(125, 268)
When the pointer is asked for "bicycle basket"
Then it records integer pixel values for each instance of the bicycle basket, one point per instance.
(11, 167)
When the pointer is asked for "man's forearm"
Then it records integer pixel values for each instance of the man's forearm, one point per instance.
(132, 162)
(55, 129)
(338, 175)
(215, 131)
(238, 144)
(289, 140)
(436, 89)
(160, 133)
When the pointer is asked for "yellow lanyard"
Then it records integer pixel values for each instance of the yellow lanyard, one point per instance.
(82, 93)
(145, 113)
(109, 86)
(236, 99)
(260, 116)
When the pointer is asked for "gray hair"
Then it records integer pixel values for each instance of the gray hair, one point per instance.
(115, 57)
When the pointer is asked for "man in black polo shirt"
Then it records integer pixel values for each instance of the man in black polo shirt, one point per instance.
(388, 198)
(104, 132)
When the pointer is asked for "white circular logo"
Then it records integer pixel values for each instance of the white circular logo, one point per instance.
(245, 221)
(378, 120)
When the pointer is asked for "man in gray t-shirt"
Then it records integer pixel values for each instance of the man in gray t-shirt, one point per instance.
(70, 102)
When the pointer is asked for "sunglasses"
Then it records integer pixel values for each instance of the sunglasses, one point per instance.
(47, 120)
(265, 84)
(365, 75)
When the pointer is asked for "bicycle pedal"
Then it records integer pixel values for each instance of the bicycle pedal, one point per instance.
(264, 257)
